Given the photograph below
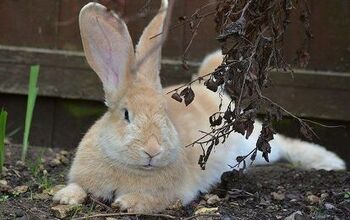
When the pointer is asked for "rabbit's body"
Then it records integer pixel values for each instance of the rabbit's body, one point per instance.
(134, 155)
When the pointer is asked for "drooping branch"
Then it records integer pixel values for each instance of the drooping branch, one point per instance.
(251, 34)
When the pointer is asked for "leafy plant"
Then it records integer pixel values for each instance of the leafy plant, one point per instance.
(32, 94)
(3, 198)
(3, 118)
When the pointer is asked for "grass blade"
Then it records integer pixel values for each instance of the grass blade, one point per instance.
(3, 118)
(32, 94)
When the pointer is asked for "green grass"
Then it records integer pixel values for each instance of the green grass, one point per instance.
(3, 118)
(32, 94)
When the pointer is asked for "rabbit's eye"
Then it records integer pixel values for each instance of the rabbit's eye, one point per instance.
(126, 115)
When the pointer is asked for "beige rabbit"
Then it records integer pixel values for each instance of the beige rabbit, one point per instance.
(134, 155)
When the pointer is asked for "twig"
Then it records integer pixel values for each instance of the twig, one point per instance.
(100, 203)
(188, 84)
(323, 125)
(194, 34)
(125, 214)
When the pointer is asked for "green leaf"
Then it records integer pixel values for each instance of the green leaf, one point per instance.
(3, 119)
(32, 94)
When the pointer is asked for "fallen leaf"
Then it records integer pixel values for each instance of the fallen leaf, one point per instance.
(62, 211)
(205, 210)
(20, 189)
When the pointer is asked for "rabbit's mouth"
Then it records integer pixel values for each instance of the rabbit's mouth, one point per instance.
(148, 167)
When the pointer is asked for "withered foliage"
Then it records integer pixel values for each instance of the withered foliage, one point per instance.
(251, 33)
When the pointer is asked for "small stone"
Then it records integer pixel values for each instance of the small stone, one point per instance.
(272, 208)
(20, 189)
(64, 153)
(41, 167)
(313, 199)
(202, 202)
(205, 210)
(20, 164)
(4, 169)
(213, 199)
(207, 196)
(298, 215)
(45, 173)
(324, 196)
(62, 211)
(278, 196)
(309, 193)
(264, 202)
(3, 183)
(55, 162)
(4, 187)
(329, 206)
(64, 160)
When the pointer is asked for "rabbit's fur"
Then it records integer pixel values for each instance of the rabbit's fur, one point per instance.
(113, 161)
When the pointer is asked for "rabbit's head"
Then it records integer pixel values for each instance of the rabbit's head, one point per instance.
(136, 131)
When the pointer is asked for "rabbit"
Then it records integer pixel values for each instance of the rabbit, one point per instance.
(134, 155)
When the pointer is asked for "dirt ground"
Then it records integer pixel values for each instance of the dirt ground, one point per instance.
(279, 191)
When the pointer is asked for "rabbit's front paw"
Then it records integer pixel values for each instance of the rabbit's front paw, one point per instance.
(130, 203)
(71, 194)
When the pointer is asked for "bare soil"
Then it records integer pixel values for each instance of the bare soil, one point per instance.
(278, 191)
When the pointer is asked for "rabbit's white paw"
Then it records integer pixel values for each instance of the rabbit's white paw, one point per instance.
(130, 203)
(71, 194)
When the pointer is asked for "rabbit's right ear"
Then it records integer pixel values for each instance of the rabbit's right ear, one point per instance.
(108, 47)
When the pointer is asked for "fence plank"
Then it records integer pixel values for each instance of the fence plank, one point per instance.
(307, 93)
(42, 123)
(28, 23)
(329, 49)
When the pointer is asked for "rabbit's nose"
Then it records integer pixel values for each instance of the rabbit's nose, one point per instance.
(152, 147)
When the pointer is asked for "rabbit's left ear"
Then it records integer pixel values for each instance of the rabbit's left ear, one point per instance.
(149, 48)
(108, 47)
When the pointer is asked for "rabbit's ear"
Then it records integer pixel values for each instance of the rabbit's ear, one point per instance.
(108, 47)
(148, 50)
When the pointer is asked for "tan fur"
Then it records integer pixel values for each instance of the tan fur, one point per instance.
(141, 164)
(210, 63)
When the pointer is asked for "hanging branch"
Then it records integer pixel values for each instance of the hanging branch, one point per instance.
(251, 33)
